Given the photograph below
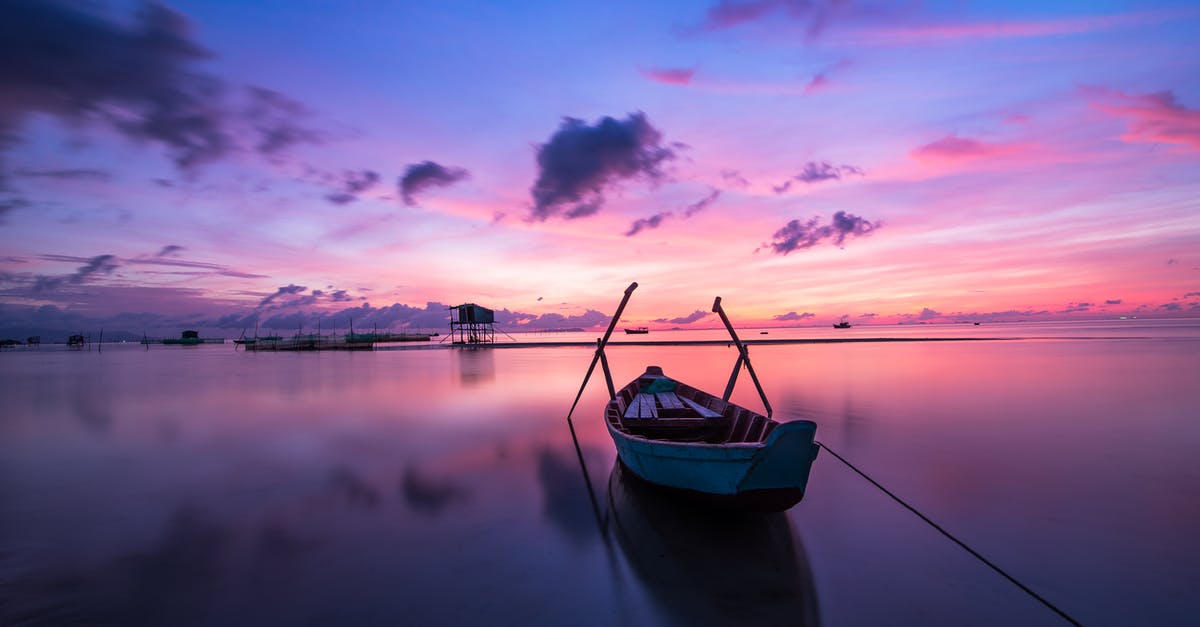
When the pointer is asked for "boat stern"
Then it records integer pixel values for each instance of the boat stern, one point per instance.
(785, 460)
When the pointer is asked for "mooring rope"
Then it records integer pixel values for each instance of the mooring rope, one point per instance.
(960, 543)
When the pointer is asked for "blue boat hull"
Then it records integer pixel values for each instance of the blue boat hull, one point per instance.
(770, 474)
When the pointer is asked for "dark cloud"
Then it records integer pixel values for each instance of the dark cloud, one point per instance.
(68, 174)
(421, 176)
(796, 235)
(1077, 307)
(688, 319)
(278, 121)
(138, 77)
(793, 316)
(353, 184)
(1113, 301)
(100, 264)
(656, 220)
(646, 223)
(581, 162)
(169, 250)
(284, 291)
(814, 172)
(702, 204)
(8, 204)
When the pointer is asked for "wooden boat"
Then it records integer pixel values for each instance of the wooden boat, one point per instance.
(678, 437)
(674, 435)
(841, 325)
(637, 330)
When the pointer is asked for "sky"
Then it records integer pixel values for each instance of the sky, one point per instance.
(284, 163)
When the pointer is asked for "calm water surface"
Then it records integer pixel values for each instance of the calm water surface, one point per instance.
(203, 486)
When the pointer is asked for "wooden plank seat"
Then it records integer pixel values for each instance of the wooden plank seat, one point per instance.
(668, 415)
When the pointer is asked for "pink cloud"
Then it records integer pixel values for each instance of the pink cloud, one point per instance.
(953, 148)
(1152, 118)
(728, 14)
(820, 81)
(946, 33)
(670, 76)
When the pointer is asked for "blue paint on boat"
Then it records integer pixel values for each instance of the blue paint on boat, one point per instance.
(774, 467)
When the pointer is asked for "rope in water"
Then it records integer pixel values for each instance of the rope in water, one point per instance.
(960, 543)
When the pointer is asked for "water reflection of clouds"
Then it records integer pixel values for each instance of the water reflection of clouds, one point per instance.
(172, 583)
(356, 490)
(429, 495)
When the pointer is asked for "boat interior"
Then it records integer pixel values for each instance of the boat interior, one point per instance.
(656, 407)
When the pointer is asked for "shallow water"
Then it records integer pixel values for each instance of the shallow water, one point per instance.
(198, 485)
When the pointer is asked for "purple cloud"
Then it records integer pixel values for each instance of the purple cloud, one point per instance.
(688, 319)
(276, 119)
(793, 316)
(796, 235)
(100, 264)
(646, 223)
(169, 250)
(68, 174)
(814, 172)
(733, 178)
(702, 204)
(353, 184)
(655, 220)
(286, 290)
(137, 77)
(580, 162)
(425, 175)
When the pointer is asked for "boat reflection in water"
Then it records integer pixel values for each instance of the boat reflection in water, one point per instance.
(709, 566)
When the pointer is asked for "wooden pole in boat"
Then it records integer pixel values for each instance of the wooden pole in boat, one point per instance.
(743, 357)
(600, 351)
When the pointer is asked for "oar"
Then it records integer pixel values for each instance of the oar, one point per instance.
(587, 480)
(600, 348)
(743, 358)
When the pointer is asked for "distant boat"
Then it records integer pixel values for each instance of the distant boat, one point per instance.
(841, 325)
(689, 441)
(192, 338)
(637, 330)
(762, 332)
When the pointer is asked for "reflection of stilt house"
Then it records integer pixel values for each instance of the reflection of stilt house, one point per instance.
(472, 324)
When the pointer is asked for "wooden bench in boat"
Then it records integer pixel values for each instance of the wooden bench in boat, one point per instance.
(669, 415)
(666, 405)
